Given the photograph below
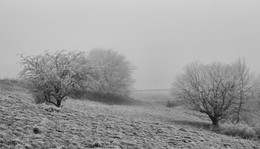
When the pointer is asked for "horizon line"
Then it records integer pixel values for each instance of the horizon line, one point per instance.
(150, 89)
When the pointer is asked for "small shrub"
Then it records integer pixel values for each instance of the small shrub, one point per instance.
(257, 132)
(172, 104)
(238, 130)
(38, 97)
(36, 130)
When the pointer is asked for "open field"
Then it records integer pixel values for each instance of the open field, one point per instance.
(89, 124)
(153, 96)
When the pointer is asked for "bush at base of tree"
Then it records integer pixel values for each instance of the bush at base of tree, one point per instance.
(239, 130)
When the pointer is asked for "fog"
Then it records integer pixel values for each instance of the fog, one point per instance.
(158, 37)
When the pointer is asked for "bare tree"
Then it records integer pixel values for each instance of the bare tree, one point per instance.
(210, 89)
(245, 82)
(57, 74)
(115, 72)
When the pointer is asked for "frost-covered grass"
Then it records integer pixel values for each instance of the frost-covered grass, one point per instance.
(91, 124)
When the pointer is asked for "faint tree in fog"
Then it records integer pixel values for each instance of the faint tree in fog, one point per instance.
(115, 72)
(212, 89)
(257, 88)
(245, 82)
(57, 74)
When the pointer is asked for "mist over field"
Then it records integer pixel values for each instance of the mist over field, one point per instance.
(129, 74)
(159, 38)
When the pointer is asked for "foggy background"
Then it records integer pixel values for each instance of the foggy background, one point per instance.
(158, 37)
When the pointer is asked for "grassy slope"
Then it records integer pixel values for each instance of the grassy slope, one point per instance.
(88, 124)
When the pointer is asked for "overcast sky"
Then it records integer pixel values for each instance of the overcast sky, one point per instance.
(158, 36)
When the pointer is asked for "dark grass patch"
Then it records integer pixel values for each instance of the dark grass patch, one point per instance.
(170, 104)
(113, 99)
(193, 124)
(109, 99)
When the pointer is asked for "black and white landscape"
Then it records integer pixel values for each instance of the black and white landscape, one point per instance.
(129, 74)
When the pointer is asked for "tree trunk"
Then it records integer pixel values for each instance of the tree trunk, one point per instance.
(214, 121)
(239, 107)
(58, 102)
(238, 116)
